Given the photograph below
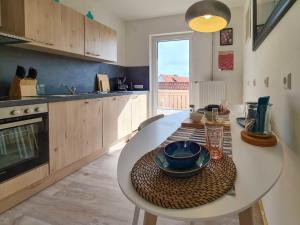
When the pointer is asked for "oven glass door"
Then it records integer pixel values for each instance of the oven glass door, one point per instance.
(23, 145)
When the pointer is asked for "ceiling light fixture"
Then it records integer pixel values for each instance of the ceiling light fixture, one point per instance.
(208, 16)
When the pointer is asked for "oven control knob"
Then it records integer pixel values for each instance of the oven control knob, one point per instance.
(28, 111)
(38, 109)
(15, 112)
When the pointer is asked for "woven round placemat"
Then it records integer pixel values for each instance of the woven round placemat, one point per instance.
(212, 182)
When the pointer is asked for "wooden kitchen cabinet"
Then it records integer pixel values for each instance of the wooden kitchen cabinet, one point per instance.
(55, 28)
(92, 38)
(139, 110)
(124, 116)
(72, 31)
(121, 116)
(75, 131)
(37, 20)
(100, 41)
(108, 44)
(110, 121)
(116, 119)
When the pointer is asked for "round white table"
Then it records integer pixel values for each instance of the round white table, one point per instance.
(258, 170)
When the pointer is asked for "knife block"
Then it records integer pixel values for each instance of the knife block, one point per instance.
(22, 88)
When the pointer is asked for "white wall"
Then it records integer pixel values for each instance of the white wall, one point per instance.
(105, 16)
(233, 79)
(137, 49)
(279, 55)
(137, 43)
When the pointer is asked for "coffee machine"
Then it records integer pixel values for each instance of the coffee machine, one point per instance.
(121, 84)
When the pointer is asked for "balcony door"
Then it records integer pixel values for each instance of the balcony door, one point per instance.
(170, 73)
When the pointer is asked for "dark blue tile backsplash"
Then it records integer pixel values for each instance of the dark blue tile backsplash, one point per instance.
(138, 75)
(53, 71)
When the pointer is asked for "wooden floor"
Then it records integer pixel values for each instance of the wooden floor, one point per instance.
(90, 196)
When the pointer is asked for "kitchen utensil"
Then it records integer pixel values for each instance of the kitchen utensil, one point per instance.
(32, 73)
(21, 86)
(161, 161)
(20, 72)
(121, 84)
(214, 135)
(103, 83)
(182, 154)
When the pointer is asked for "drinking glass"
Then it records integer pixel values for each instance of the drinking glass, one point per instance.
(214, 135)
(214, 114)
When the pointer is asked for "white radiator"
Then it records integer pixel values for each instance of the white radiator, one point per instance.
(208, 92)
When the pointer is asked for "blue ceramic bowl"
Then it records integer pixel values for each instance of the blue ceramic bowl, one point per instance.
(182, 154)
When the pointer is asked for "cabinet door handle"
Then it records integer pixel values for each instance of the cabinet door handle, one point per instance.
(90, 53)
(41, 42)
(114, 99)
(86, 102)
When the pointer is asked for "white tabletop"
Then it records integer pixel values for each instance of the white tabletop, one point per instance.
(258, 169)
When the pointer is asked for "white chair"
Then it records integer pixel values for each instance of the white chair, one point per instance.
(149, 121)
(142, 126)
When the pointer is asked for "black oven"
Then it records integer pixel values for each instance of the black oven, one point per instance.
(24, 141)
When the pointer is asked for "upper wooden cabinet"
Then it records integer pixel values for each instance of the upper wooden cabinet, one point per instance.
(37, 20)
(100, 41)
(108, 44)
(92, 38)
(58, 29)
(72, 34)
(42, 21)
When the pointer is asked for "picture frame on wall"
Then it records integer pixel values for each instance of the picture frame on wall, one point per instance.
(225, 60)
(226, 37)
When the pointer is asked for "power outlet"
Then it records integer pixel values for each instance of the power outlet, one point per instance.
(254, 83)
(266, 82)
(287, 82)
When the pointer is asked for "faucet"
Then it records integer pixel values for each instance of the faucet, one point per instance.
(72, 89)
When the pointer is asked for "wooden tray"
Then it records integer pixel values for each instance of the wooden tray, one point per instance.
(190, 123)
(259, 141)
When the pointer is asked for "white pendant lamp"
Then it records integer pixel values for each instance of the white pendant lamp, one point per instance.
(208, 16)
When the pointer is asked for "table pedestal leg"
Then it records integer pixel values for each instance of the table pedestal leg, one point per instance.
(246, 217)
(149, 219)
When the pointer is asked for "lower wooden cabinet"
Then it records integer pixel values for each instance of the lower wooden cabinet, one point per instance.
(80, 128)
(121, 116)
(139, 110)
(124, 116)
(110, 121)
(75, 131)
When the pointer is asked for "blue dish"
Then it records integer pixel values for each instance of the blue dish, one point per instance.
(161, 161)
(182, 154)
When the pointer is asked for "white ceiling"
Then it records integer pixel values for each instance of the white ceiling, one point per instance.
(142, 9)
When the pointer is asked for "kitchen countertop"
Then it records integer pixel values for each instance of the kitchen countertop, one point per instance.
(61, 98)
